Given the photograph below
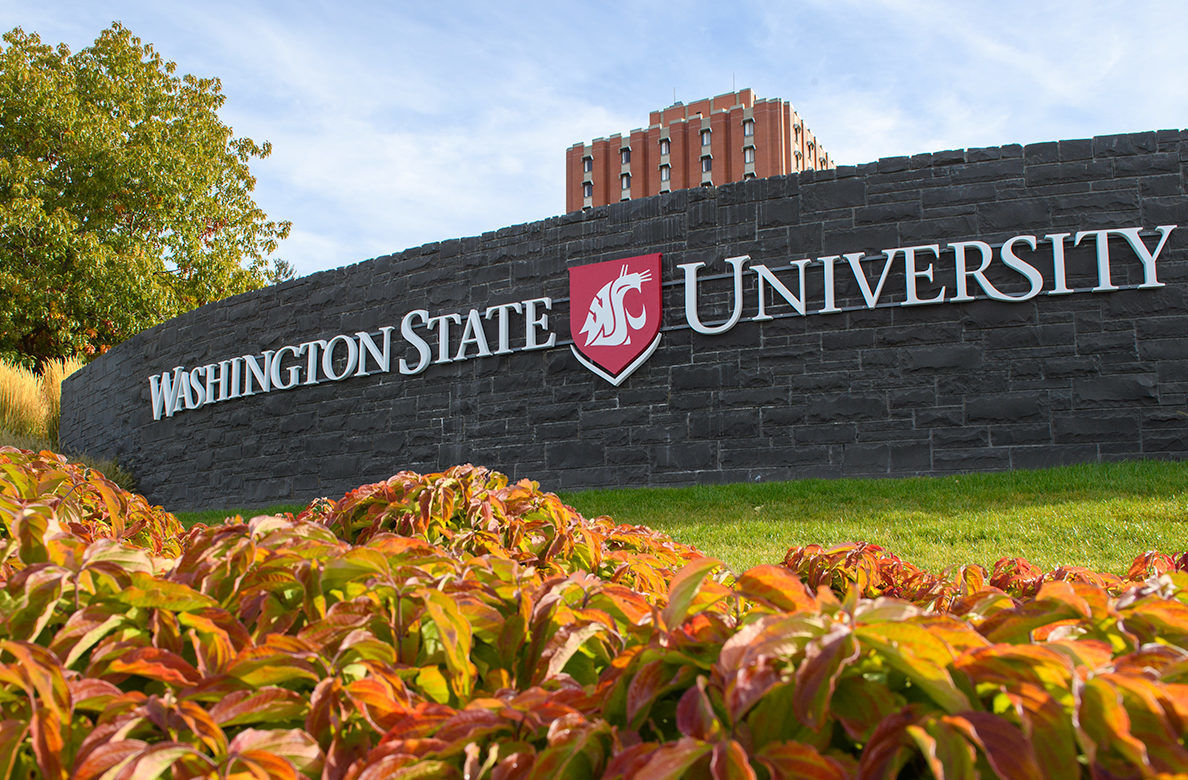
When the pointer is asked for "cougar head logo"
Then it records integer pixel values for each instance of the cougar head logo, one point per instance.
(615, 314)
(608, 322)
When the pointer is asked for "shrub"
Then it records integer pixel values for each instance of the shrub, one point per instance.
(45, 488)
(870, 572)
(480, 646)
(473, 510)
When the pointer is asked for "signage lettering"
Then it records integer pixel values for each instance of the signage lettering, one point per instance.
(615, 313)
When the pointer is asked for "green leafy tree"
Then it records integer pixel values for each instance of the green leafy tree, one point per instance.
(124, 200)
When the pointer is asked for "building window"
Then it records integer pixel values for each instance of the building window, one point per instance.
(707, 164)
(665, 172)
(665, 148)
(588, 190)
(748, 127)
(587, 164)
(625, 155)
(749, 154)
(625, 181)
(705, 137)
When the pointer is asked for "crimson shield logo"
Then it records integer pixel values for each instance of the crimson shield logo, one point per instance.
(614, 314)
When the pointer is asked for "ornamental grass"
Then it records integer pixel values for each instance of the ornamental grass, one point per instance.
(53, 372)
(23, 407)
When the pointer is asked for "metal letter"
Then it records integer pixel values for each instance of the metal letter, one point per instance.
(691, 316)
(911, 274)
(766, 277)
(275, 368)
(504, 333)
(473, 333)
(532, 322)
(383, 360)
(424, 353)
(328, 357)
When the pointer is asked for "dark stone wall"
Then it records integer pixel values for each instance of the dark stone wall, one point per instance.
(890, 390)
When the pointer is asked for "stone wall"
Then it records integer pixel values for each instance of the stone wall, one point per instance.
(882, 390)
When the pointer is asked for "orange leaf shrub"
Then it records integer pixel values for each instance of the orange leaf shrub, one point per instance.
(474, 511)
(452, 625)
(40, 486)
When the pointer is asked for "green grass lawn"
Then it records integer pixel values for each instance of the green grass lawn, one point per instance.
(1100, 516)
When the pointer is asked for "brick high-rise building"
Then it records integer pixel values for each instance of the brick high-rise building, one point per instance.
(722, 139)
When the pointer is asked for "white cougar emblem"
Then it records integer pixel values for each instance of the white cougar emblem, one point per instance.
(609, 323)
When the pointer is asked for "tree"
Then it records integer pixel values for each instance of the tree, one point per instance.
(124, 200)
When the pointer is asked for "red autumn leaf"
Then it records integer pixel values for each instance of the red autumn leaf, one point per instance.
(777, 587)
(264, 705)
(797, 761)
(294, 745)
(695, 716)
(673, 760)
(1008, 752)
(105, 756)
(729, 762)
(825, 659)
(156, 664)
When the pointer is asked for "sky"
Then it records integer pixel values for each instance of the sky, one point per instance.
(396, 124)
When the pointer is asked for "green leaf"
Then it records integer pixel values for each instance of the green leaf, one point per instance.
(824, 661)
(37, 606)
(920, 656)
(262, 668)
(433, 684)
(575, 752)
(1147, 706)
(82, 630)
(265, 705)
(948, 755)
(150, 592)
(1104, 725)
(564, 644)
(1046, 723)
(1015, 625)
(454, 634)
(860, 705)
(154, 760)
(684, 588)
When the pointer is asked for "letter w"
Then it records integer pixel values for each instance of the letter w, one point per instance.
(166, 392)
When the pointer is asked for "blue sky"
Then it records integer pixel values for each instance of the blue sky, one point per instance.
(396, 124)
